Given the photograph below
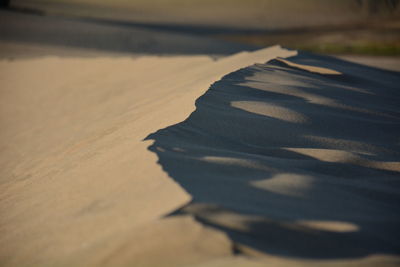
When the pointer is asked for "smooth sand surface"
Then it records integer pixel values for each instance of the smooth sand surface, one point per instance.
(25, 35)
(79, 186)
(388, 63)
(223, 14)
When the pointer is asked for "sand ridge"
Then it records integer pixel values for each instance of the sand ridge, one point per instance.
(140, 162)
(297, 158)
(77, 177)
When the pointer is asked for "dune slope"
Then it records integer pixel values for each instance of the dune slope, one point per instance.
(297, 158)
(78, 185)
(108, 162)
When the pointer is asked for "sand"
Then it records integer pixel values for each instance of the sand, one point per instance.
(383, 62)
(184, 160)
(222, 15)
(108, 162)
(296, 160)
(26, 35)
(77, 177)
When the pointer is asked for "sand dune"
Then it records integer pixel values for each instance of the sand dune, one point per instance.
(112, 157)
(79, 185)
(108, 162)
(297, 158)
(290, 163)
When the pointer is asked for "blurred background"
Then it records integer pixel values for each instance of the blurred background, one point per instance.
(361, 29)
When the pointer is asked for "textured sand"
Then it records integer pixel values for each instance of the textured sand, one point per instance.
(119, 161)
(296, 160)
(290, 163)
(78, 183)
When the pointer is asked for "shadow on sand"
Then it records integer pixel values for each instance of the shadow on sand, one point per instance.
(260, 176)
(31, 27)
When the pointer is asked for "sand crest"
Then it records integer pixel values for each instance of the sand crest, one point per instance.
(297, 158)
(76, 176)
